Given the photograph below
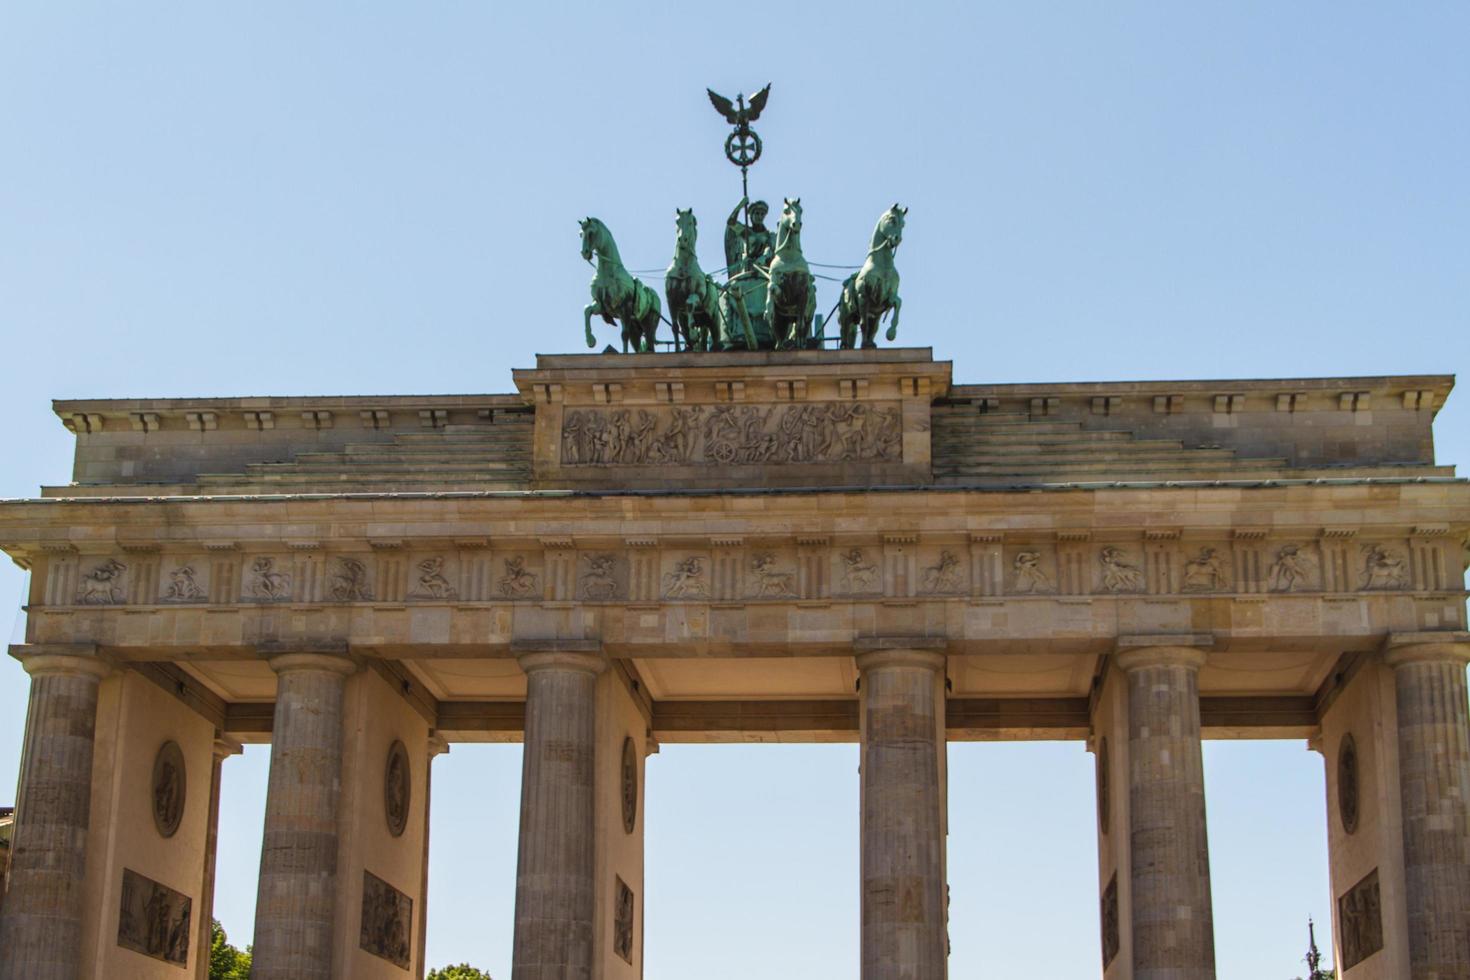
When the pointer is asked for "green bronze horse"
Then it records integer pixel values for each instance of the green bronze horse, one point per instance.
(791, 295)
(616, 295)
(694, 296)
(872, 291)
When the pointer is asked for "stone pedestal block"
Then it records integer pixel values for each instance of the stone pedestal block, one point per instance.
(41, 925)
(1172, 921)
(1434, 780)
(903, 875)
(296, 902)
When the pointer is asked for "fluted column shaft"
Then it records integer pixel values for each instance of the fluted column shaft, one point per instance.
(1173, 922)
(41, 925)
(903, 879)
(297, 898)
(555, 865)
(1434, 779)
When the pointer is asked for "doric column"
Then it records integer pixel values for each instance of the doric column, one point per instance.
(1173, 925)
(437, 747)
(903, 879)
(555, 866)
(1434, 778)
(296, 901)
(41, 925)
(204, 914)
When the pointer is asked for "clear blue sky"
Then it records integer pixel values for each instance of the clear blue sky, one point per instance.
(342, 198)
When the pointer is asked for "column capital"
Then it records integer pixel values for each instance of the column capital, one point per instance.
(41, 659)
(573, 660)
(1163, 655)
(900, 657)
(338, 663)
(438, 744)
(1433, 646)
(224, 747)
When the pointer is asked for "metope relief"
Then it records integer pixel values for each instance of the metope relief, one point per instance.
(387, 917)
(348, 581)
(1360, 917)
(103, 585)
(167, 789)
(431, 582)
(832, 432)
(1292, 571)
(623, 921)
(600, 579)
(687, 580)
(770, 580)
(1119, 574)
(1027, 575)
(945, 577)
(860, 576)
(266, 582)
(183, 586)
(517, 581)
(153, 919)
(1205, 572)
(1383, 569)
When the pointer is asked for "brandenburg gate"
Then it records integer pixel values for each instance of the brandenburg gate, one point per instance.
(793, 545)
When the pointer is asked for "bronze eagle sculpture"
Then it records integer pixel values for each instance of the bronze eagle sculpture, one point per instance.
(746, 113)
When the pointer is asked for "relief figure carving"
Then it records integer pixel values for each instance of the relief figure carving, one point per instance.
(1291, 571)
(1030, 577)
(349, 581)
(518, 582)
(102, 586)
(858, 574)
(943, 578)
(266, 582)
(433, 583)
(169, 786)
(599, 582)
(1119, 574)
(1360, 916)
(1383, 569)
(1205, 572)
(387, 916)
(153, 919)
(623, 922)
(182, 586)
(686, 581)
(772, 582)
(732, 435)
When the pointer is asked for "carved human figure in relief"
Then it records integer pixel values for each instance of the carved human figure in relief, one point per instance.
(1205, 572)
(349, 581)
(1029, 576)
(858, 574)
(1119, 574)
(518, 582)
(433, 583)
(686, 581)
(772, 582)
(599, 582)
(266, 582)
(102, 586)
(1383, 569)
(944, 577)
(182, 587)
(1291, 571)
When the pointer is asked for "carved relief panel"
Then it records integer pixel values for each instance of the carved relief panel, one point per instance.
(685, 576)
(434, 578)
(1119, 570)
(153, 919)
(623, 912)
(943, 572)
(387, 921)
(1110, 936)
(771, 574)
(1206, 568)
(602, 576)
(859, 571)
(168, 789)
(1031, 569)
(103, 582)
(1360, 921)
(185, 580)
(268, 579)
(1383, 567)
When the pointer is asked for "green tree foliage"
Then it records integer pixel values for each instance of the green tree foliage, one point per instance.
(225, 961)
(461, 972)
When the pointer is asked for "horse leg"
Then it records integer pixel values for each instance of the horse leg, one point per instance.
(587, 312)
(893, 323)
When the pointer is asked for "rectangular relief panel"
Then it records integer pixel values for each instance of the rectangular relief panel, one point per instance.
(387, 921)
(153, 919)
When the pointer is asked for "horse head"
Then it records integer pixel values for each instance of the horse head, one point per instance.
(687, 225)
(789, 227)
(889, 233)
(595, 237)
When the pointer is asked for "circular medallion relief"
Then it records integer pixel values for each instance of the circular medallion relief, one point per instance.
(1104, 785)
(630, 785)
(169, 784)
(396, 789)
(1347, 783)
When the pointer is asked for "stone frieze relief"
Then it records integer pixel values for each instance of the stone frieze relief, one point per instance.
(732, 435)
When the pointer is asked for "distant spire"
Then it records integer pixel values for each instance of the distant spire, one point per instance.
(1314, 956)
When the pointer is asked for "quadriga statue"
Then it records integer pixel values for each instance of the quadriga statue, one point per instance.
(872, 291)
